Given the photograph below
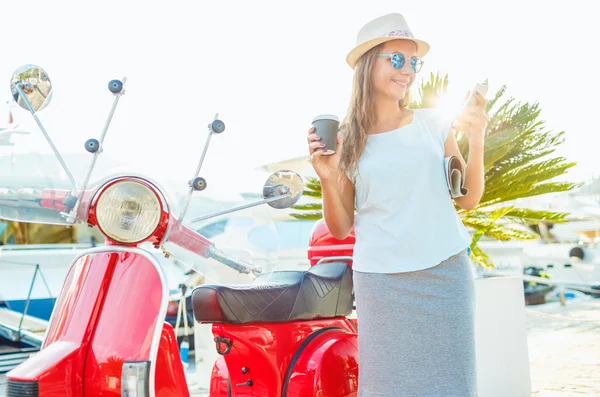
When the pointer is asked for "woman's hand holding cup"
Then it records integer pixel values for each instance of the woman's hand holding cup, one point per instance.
(324, 146)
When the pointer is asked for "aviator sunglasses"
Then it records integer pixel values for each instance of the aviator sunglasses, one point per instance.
(398, 61)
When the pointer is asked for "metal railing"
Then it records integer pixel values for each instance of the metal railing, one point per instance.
(18, 334)
(590, 287)
(586, 287)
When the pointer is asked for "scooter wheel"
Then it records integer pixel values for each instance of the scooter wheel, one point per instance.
(199, 184)
(92, 145)
(115, 86)
(217, 126)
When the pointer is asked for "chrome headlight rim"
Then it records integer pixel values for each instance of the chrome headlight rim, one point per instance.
(161, 223)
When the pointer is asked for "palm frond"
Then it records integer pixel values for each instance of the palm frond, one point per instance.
(480, 258)
(308, 207)
(313, 184)
(492, 102)
(312, 193)
(308, 216)
(532, 191)
(522, 215)
(501, 233)
(491, 220)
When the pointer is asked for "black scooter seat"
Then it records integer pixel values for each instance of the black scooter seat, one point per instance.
(323, 291)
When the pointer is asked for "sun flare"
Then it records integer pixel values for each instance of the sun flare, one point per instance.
(450, 105)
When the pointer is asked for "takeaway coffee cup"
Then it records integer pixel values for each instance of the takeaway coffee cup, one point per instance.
(327, 127)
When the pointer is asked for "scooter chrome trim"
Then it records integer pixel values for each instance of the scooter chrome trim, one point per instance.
(162, 314)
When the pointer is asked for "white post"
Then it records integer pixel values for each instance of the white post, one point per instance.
(501, 338)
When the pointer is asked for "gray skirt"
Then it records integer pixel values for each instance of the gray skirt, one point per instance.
(416, 331)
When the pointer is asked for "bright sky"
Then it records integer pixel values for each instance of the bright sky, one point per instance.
(269, 66)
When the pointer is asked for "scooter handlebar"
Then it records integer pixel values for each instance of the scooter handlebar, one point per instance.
(186, 238)
(53, 199)
(232, 262)
(26, 198)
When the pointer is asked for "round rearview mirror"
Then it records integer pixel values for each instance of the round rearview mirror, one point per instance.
(280, 183)
(34, 83)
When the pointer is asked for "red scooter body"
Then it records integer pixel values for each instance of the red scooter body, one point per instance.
(323, 247)
(285, 334)
(111, 312)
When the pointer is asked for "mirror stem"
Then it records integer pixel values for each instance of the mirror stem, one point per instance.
(73, 212)
(241, 207)
(39, 123)
(197, 173)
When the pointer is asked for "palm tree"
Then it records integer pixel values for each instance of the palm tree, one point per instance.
(517, 165)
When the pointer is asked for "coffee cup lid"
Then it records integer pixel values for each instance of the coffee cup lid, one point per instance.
(326, 117)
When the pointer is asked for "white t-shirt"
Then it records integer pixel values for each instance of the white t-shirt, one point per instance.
(405, 219)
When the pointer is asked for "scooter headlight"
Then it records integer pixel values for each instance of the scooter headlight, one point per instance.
(128, 211)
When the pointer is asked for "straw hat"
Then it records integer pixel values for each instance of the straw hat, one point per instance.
(380, 30)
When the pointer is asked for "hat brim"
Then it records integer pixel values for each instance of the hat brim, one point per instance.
(360, 50)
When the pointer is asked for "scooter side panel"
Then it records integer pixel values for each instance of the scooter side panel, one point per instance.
(262, 353)
(253, 356)
(126, 323)
(327, 366)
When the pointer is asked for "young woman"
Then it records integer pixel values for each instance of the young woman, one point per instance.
(412, 278)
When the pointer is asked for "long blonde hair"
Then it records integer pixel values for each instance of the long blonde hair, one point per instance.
(360, 118)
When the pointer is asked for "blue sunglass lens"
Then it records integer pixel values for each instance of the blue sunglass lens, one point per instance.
(397, 61)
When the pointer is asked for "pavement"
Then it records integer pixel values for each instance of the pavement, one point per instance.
(564, 349)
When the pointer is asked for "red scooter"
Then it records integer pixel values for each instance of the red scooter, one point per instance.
(285, 333)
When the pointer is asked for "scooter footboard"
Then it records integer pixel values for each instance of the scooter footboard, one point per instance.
(326, 364)
(49, 373)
